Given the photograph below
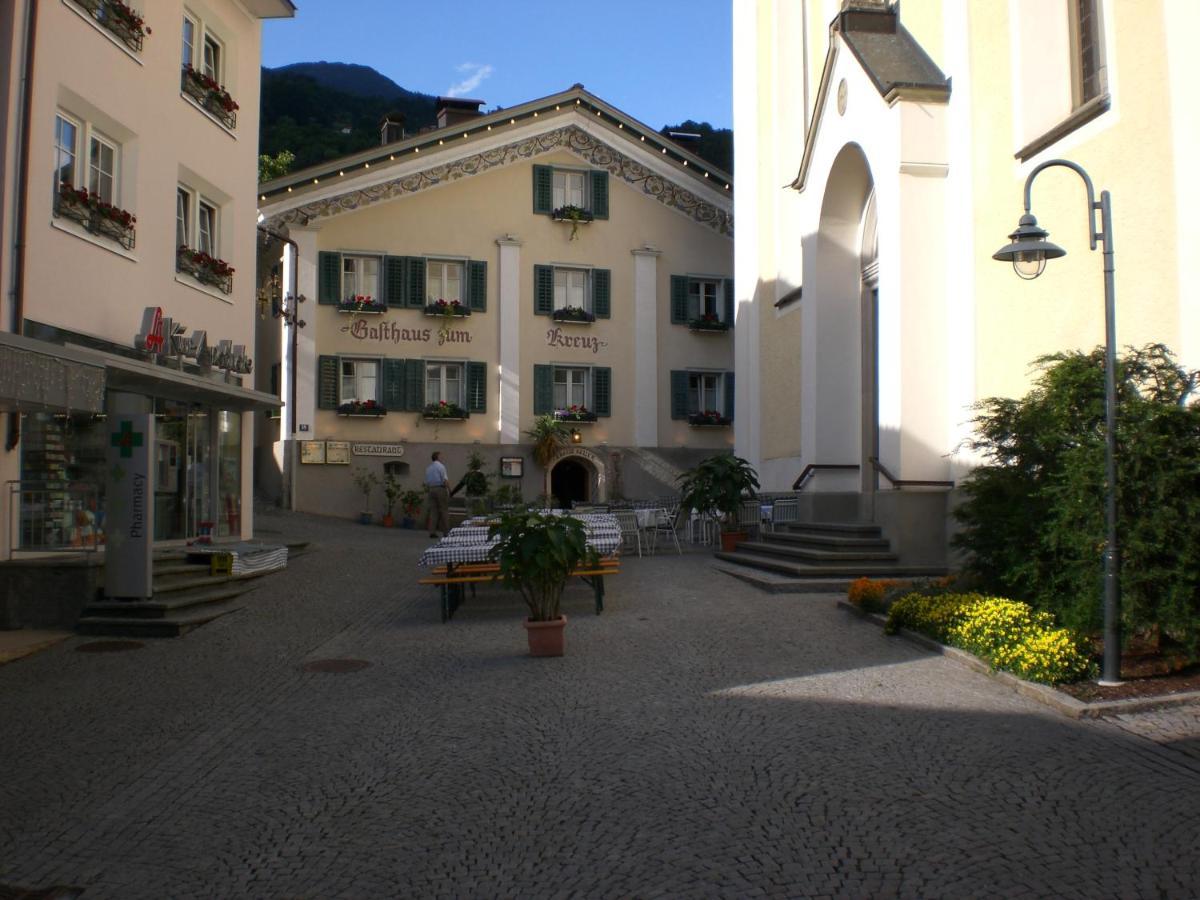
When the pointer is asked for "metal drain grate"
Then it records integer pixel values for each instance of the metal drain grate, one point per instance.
(109, 646)
(335, 666)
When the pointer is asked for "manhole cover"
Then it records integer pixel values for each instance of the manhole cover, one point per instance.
(335, 665)
(109, 646)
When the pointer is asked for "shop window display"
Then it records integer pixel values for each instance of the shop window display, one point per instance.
(62, 482)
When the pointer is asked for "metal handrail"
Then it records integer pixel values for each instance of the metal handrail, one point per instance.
(805, 475)
(53, 517)
(899, 483)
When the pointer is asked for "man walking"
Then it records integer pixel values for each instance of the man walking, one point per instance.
(437, 486)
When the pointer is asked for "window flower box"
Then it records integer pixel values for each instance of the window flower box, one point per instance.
(361, 304)
(205, 269)
(369, 408)
(576, 215)
(444, 410)
(575, 413)
(96, 215)
(710, 418)
(210, 95)
(120, 19)
(447, 309)
(708, 322)
(573, 314)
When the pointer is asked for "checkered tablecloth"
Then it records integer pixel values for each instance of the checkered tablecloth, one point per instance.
(470, 543)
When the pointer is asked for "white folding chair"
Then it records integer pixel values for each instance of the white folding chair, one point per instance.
(750, 516)
(663, 526)
(630, 533)
(784, 511)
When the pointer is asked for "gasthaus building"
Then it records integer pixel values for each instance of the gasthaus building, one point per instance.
(129, 303)
(557, 257)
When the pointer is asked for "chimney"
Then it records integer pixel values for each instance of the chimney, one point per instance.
(391, 129)
(454, 110)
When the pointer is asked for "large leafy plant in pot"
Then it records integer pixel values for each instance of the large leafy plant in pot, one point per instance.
(548, 435)
(719, 485)
(536, 553)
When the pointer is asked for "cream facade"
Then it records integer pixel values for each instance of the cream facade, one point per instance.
(129, 187)
(890, 158)
(473, 213)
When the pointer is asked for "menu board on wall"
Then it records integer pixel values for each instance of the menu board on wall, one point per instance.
(337, 453)
(312, 452)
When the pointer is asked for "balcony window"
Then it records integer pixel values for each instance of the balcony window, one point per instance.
(87, 190)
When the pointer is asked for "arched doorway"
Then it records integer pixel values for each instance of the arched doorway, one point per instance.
(571, 482)
(841, 344)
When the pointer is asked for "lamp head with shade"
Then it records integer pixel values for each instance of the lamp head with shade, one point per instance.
(1028, 249)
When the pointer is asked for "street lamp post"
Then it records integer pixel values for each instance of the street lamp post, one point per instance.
(1028, 251)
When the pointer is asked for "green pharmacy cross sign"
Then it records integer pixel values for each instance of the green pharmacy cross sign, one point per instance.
(126, 438)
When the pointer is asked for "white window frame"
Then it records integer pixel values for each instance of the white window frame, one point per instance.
(97, 138)
(696, 297)
(187, 49)
(217, 72)
(360, 379)
(194, 236)
(445, 366)
(359, 274)
(583, 384)
(560, 187)
(562, 299)
(696, 389)
(443, 292)
(75, 149)
(184, 196)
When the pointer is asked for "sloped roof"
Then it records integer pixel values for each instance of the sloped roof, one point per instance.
(896, 64)
(574, 120)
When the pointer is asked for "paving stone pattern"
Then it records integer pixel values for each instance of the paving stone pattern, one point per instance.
(700, 739)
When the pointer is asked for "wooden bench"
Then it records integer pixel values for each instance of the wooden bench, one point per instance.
(451, 580)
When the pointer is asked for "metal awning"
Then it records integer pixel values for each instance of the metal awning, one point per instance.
(126, 374)
(36, 376)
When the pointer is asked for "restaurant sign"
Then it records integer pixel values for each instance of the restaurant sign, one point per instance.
(377, 449)
(165, 339)
(391, 332)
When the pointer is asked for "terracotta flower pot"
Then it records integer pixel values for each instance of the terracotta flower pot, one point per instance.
(388, 521)
(730, 539)
(546, 638)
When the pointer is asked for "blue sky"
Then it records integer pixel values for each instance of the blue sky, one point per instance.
(660, 61)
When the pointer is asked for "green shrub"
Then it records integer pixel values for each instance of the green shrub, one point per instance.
(1033, 520)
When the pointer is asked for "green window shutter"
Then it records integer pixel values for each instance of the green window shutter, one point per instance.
(729, 396)
(600, 194)
(543, 290)
(327, 382)
(602, 390)
(477, 285)
(543, 390)
(679, 300)
(414, 385)
(477, 387)
(329, 278)
(730, 311)
(601, 293)
(543, 189)
(416, 281)
(679, 395)
(393, 281)
(393, 384)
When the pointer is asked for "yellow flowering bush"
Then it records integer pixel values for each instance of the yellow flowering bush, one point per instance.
(1009, 635)
(1048, 655)
(993, 623)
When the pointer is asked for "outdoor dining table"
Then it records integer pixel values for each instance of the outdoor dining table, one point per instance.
(469, 543)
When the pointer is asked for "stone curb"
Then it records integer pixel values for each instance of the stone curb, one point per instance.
(1048, 696)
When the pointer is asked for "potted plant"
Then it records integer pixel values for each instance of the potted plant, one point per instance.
(719, 485)
(410, 507)
(391, 493)
(548, 435)
(366, 480)
(536, 553)
(475, 483)
(576, 215)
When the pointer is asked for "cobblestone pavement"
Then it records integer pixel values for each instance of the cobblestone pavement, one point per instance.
(699, 739)
(1177, 728)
